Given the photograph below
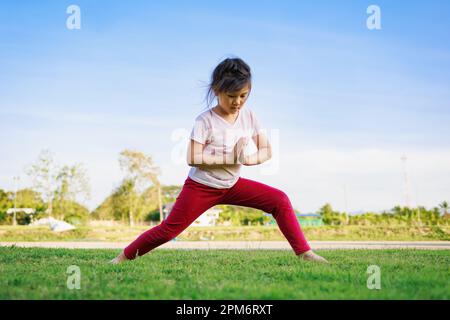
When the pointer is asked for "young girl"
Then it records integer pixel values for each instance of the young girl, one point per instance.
(216, 155)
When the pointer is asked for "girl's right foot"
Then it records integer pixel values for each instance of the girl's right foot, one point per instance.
(120, 258)
(311, 256)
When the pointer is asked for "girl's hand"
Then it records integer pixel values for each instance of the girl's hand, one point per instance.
(238, 150)
(242, 159)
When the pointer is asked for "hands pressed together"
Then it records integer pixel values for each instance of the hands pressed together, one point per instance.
(238, 151)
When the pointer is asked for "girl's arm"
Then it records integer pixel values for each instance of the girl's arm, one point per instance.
(196, 157)
(263, 154)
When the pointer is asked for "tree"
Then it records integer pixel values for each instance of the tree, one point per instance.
(147, 203)
(331, 217)
(5, 203)
(58, 186)
(76, 213)
(125, 202)
(105, 210)
(27, 198)
(141, 169)
(239, 215)
(444, 207)
(71, 182)
(43, 175)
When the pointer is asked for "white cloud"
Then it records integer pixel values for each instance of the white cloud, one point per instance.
(373, 178)
(93, 118)
(311, 176)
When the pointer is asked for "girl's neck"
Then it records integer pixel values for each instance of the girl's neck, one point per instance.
(218, 109)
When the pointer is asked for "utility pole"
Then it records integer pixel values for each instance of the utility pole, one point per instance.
(347, 219)
(345, 199)
(15, 201)
(417, 194)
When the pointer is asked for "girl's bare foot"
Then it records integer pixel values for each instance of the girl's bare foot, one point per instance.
(311, 256)
(120, 258)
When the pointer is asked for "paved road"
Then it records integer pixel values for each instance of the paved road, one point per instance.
(242, 245)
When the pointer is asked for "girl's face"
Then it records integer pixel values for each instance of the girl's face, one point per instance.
(232, 102)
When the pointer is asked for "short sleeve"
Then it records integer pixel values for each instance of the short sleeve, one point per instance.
(256, 125)
(199, 132)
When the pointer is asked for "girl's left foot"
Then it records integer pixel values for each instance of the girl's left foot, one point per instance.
(311, 256)
(120, 258)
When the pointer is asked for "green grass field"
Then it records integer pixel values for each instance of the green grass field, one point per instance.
(36, 273)
(250, 233)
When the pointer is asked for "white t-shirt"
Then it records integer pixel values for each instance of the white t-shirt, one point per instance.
(219, 136)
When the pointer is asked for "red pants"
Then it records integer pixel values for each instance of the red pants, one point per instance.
(195, 198)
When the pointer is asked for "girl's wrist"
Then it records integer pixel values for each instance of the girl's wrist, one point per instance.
(243, 159)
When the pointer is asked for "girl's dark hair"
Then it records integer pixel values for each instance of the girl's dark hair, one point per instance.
(231, 75)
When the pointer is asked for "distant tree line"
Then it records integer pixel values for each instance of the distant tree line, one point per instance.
(140, 198)
(397, 215)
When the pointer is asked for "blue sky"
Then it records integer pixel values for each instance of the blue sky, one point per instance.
(347, 101)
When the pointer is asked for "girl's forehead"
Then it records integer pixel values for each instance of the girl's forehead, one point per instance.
(245, 89)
